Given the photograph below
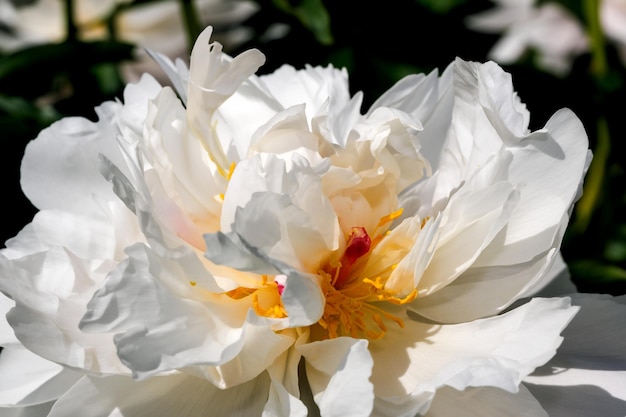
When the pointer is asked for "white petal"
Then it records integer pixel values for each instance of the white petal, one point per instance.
(54, 287)
(285, 215)
(213, 77)
(587, 376)
(497, 351)
(550, 185)
(286, 393)
(180, 161)
(312, 86)
(472, 295)
(27, 379)
(39, 410)
(59, 168)
(159, 328)
(485, 402)
(173, 395)
(7, 336)
(338, 371)
(302, 296)
(468, 225)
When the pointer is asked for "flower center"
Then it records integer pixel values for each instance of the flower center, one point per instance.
(352, 297)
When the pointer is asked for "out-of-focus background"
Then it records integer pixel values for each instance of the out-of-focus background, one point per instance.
(61, 58)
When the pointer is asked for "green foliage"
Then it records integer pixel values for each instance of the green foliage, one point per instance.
(441, 6)
(312, 14)
(43, 83)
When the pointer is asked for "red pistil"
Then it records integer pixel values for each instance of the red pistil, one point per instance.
(358, 245)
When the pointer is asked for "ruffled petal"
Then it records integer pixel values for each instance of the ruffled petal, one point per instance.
(212, 79)
(51, 288)
(160, 328)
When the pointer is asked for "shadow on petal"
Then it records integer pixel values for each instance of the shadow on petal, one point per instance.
(577, 400)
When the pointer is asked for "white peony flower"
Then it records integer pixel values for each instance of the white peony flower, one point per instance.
(254, 245)
(548, 29)
(552, 31)
(613, 18)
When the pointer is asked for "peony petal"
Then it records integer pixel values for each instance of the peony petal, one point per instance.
(312, 86)
(549, 190)
(286, 396)
(182, 165)
(28, 379)
(338, 371)
(302, 296)
(51, 290)
(59, 167)
(468, 225)
(7, 336)
(142, 303)
(212, 79)
(471, 296)
(485, 402)
(497, 351)
(172, 395)
(285, 215)
(587, 376)
(39, 410)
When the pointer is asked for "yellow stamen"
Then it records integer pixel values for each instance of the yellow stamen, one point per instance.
(231, 170)
(354, 305)
(273, 306)
(240, 292)
(275, 311)
(347, 313)
(389, 218)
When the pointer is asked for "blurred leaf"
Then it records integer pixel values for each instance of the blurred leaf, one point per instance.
(312, 14)
(21, 120)
(597, 272)
(19, 110)
(441, 6)
(615, 250)
(108, 78)
(29, 72)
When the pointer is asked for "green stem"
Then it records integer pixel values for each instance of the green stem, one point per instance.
(70, 25)
(594, 179)
(599, 65)
(191, 20)
(599, 69)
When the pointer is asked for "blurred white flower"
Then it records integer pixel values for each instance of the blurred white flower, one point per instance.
(156, 25)
(549, 29)
(256, 246)
(613, 18)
